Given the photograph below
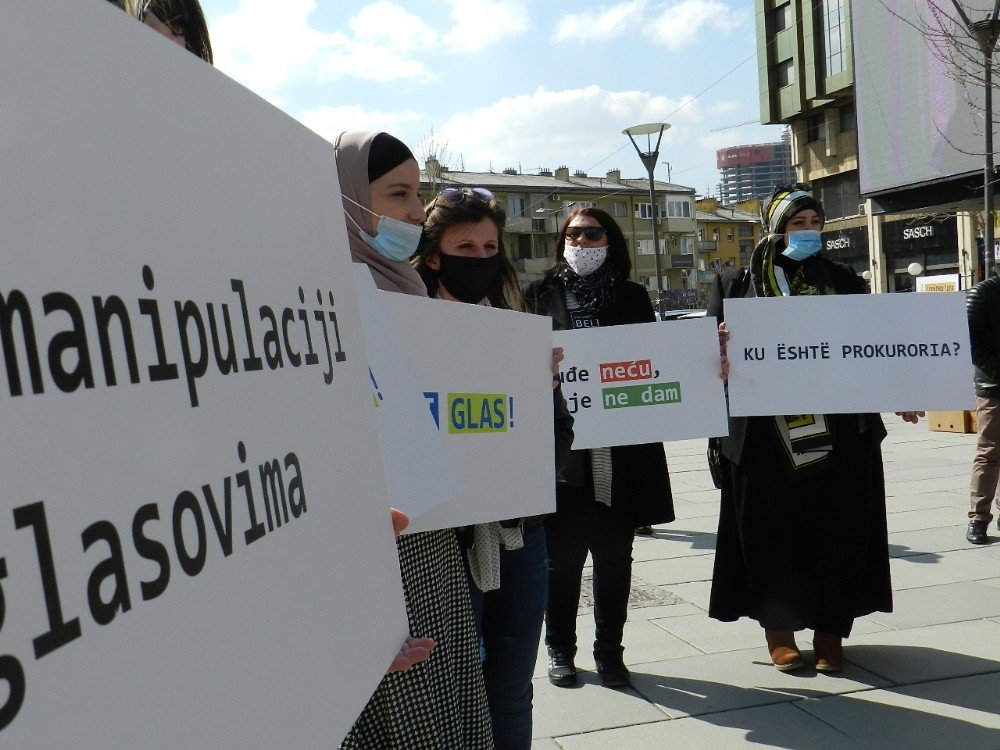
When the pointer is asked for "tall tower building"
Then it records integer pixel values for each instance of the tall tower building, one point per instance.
(752, 171)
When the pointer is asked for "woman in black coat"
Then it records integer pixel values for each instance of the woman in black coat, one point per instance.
(802, 540)
(604, 493)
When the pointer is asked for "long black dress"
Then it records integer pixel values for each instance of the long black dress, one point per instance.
(801, 551)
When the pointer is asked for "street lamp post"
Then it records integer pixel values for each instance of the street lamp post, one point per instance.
(985, 34)
(649, 157)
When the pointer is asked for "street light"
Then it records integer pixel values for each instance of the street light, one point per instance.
(649, 157)
(985, 34)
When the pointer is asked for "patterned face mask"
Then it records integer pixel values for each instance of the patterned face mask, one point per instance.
(584, 260)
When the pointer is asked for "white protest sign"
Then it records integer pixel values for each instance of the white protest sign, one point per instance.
(486, 375)
(848, 353)
(195, 549)
(419, 469)
(643, 383)
(947, 282)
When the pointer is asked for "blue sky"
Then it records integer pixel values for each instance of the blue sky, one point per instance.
(508, 83)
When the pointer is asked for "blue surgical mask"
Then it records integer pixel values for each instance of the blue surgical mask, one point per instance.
(394, 239)
(802, 244)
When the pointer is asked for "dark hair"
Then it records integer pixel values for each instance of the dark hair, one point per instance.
(617, 247)
(186, 19)
(441, 216)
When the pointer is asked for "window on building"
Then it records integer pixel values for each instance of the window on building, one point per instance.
(617, 209)
(746, 230)
(816, 128)
(678, 209)
(729, 235)
(715, 235)
(515, 206)
(786, 73)
(643, 210)
(701, 234)
(782, 17)
(848, 118)
(538, 225)
(834, 22)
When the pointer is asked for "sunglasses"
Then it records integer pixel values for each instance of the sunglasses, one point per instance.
(590, 233)
(454, 195)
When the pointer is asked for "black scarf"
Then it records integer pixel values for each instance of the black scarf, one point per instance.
(593, 291)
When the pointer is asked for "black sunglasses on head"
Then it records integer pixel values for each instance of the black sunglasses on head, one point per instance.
(591, 233)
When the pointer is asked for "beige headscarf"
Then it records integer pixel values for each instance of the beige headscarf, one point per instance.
(351, 150)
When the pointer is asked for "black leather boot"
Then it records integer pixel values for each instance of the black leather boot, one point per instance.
(610, 665)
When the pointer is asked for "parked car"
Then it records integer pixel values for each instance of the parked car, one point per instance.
(681, 314)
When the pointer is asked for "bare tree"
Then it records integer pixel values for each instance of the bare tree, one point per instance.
(435, 157)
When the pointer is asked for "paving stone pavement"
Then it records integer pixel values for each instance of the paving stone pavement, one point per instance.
(924, 677)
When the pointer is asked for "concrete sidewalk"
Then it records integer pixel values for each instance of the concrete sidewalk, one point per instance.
(925, 676)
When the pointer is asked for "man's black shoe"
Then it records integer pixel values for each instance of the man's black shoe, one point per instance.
(611, 668)
(977, 532)
(562, 671)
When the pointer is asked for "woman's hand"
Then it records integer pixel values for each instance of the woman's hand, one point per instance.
(413, 651)
(723, 344)
(399, 521)
(911, 416)
(557, 357)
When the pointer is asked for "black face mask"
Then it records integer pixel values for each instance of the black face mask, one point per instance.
(468, 279)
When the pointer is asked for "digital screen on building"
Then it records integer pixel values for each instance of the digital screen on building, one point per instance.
(916, 122)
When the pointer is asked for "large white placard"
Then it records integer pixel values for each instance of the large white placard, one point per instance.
(486, 376)
(419, 469)
(848, 353)
(643, 383)
(195, 550)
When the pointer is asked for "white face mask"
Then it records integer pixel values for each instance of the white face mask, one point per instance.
(584, 260)
(396, 240)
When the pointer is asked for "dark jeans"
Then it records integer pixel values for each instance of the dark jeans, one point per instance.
(581, 524)
(509, 621)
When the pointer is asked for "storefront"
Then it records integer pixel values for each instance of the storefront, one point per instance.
(932, 243)
(847, 246)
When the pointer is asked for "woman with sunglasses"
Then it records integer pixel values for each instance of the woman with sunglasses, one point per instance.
(604, 493)
(441, 703)
(462, 258)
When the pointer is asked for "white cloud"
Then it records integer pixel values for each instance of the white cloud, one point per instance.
(726, 106)
(329, 122)
(480, 23)
(268, 44)
(576, 127)
(605, 23)
(680, 24)
(672, 24)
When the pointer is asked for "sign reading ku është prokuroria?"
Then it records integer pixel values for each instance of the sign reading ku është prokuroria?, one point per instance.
(848, 353)
(643, 383)
(195, 547)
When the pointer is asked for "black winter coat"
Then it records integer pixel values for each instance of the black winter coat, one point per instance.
(982, 304)
(640, 484)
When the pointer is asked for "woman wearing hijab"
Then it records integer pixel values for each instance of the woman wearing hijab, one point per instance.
(462, 258)
(442, 702)
(604, 493)
(802, 539)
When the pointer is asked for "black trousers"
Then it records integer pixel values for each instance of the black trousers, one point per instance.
(579, 525)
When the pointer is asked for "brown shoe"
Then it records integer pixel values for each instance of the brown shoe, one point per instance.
(829, 650)
(784, 653)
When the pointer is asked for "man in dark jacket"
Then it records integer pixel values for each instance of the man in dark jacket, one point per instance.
(983, 307)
